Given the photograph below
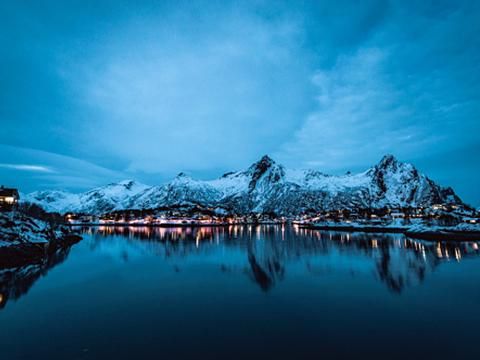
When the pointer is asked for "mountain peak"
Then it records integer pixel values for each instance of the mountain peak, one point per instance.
(388, 161)
(262, 165)
(127, 182)
(267, 159)
(182, 177)
(265, 162)
(265, 165)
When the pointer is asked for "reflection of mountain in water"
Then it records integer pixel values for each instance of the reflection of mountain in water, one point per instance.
(267, 253)
(16, 282)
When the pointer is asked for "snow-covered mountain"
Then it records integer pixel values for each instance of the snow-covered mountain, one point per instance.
(265, 186)
(96, 201)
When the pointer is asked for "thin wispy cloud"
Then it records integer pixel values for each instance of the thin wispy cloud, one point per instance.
(20, 167)
(25, 167)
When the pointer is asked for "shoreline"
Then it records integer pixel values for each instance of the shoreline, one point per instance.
(348, 228)
(430, 235)
(171, 225)
(457, 236)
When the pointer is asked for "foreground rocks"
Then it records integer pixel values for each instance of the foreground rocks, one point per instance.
(24, 239)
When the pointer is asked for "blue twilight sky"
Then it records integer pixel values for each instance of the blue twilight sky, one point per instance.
(97, 91)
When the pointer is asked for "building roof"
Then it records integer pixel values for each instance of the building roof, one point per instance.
(9, 192)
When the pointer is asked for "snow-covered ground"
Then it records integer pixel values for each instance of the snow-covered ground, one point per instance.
(416, 226)
(18, 229)
(463, 227)
(361, 225)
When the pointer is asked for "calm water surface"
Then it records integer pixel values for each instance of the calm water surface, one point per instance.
(243, 292)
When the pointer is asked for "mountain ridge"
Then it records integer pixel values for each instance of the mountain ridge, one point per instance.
(265, 186)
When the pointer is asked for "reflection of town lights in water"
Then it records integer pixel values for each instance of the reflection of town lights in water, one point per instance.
(458, 255)
(275, 245)
(201, 236)
(439, 251)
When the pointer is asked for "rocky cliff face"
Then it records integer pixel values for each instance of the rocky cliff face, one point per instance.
(265, 186)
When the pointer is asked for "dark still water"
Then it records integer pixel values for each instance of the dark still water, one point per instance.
(243, 292)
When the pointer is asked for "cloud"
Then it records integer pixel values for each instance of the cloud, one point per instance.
(359, 112)
(56, 171)
(166, 96)
(24, 167)
(412, 91)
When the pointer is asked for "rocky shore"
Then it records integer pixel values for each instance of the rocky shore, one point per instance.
(24, 239)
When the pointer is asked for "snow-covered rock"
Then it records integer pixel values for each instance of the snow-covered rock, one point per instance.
(17, 229)
(265, 187)
(25, 240)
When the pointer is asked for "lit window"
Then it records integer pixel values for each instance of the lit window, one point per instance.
(9, 199)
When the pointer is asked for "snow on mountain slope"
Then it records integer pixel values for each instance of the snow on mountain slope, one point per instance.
(315, 180)
(264, 187)
(231, 183)
(54, 200)
(111, 197)
(95, 201)
(398, 183)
